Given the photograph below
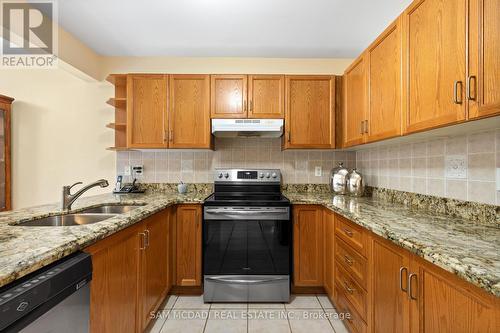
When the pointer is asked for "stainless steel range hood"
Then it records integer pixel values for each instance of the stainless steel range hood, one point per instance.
(231, 128)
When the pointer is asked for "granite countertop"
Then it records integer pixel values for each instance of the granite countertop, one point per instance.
(26, 249)
(468, 249)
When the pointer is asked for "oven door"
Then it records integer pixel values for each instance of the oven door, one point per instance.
(246, 254)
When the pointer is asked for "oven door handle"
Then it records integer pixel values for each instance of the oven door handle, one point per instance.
(242, 281)
(250, 211)
(234, 214)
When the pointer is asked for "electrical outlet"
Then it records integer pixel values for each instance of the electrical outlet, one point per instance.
(498, 179)
(126, 170)
(137, 171)
(317, 171)
(456, 166)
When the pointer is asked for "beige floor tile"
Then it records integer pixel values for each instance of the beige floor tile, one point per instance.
(266, 306)
(310, 320)
(191, 302)
(325, 302)
(158, 323)
(169, 302)
(303, 302)
(180, 321)
(229, 306)
(336, 322)
(268, 321)
(227, 321)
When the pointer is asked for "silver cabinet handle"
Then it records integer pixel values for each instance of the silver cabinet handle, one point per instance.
(251, 106)
(143, 241)
(146, 234)
(348, 288)
(455, 92)
(289, 136)
(401, 270)
(348, 232)
(410, 293)
(469, 85)
(366, 126)
(348, 260)
(243, 281)
(362, 127)
(171, 135)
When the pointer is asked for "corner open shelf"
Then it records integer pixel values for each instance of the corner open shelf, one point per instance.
(119, 102)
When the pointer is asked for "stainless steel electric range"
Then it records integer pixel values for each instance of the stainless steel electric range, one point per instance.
(247, 238)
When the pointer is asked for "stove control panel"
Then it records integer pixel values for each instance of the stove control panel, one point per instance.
(248, 175)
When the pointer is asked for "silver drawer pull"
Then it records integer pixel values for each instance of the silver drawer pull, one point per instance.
(348, 232)
(348, 260)
(401, 270)
(348, 288)
(242, 281)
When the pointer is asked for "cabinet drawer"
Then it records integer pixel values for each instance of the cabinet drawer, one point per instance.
(352, 319)
(353, 234)
(352, 291)
(353, 263)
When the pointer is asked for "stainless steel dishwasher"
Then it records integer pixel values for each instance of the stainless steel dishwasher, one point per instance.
(53, 299)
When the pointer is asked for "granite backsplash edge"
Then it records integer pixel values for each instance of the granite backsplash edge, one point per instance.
(482, 213)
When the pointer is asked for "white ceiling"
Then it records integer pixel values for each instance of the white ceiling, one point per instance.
(228, 28)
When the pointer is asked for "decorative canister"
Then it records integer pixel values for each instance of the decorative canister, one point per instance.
(182, 187)
(355, 183)
(338, 179)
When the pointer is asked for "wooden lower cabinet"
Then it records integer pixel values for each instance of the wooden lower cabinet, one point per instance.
(441, 302)
(115, 282)
(308, 248)
(130, 275)
(329, 257)
(390, 287)
(154, 264)
(188, 246)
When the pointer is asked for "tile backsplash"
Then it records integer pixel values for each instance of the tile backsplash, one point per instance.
(297, 166)
(432, 167)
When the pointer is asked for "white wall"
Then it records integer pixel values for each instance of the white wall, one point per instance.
(58, 132)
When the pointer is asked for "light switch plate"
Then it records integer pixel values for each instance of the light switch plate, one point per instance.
(317, 171)
(126, 170)
(456, 166)
(498, 179)
(137, 171)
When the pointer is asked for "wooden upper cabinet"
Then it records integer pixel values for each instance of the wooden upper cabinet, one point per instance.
(188, 245)
(147, 111)
(390, 265)
(228, 96)
(308, 248)
(266, 96)
(384, 93)
(441, 302)
(189, 111)
(5, 151)
(355, 102)
(483, 82)
(310, 115)
(434, 61)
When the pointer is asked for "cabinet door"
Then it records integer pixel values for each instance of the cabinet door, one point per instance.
(155, 264)
(228, 96)
(114, 288)
(329, 258)
(308, 245)
(484, 61)
(5, 167)
(266, 96)
(188, 245)
(441, 302)
(189, 111)
(390, 268)
(147, 111)
(384, 111)
(435, 36)
(310, 115)
(355, 103)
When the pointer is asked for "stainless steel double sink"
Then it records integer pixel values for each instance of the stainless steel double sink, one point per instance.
(86, 216)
